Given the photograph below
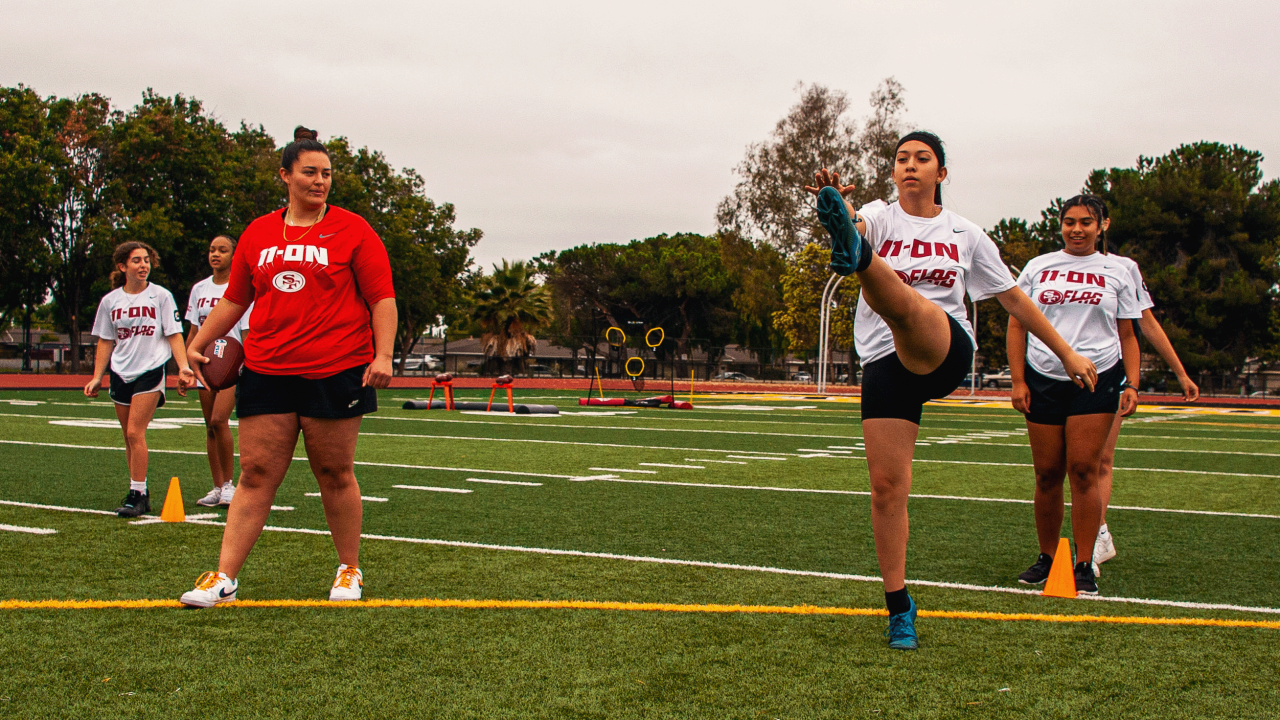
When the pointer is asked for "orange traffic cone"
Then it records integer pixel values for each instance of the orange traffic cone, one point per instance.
(1062, 577)
(173, 511)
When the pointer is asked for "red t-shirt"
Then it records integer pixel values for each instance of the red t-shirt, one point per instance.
(312, 289)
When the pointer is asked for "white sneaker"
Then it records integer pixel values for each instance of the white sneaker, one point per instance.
(1097, 571)
(347, 585)
(212, 588)
(1104, 548)
(212, 499)
(228, 492)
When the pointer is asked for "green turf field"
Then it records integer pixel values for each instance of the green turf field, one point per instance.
(743, 501)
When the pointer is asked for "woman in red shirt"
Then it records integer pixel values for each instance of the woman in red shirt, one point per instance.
(324, 323)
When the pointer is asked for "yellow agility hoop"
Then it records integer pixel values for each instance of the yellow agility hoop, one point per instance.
(662, 335)
(627, 366)
(619, 343)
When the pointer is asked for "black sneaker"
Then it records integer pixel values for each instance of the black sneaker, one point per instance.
(135, 504)
(1085, 583)
(1038, 573)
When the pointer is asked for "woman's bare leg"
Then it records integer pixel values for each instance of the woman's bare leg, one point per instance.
(1106, 465)
(331, 450)
(1049, 457)
(890, 444)
(1086, 435)
(135, 418)
(266, 451)
(220, 466)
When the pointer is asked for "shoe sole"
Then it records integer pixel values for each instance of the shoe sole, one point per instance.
(202, 503)
(202, 604)
(1104, 557)
(1028, 582)
(834, 216)
(1086, 592)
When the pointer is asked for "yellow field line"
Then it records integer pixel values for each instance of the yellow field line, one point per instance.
(633, 607)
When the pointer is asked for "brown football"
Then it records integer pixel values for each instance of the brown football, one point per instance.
(444, 378)
(504, 380)
(226, 358)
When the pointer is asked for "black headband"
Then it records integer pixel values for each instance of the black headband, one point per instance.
(928, 138)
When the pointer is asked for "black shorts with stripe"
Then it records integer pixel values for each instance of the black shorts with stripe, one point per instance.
(338, 396)
(150, 381)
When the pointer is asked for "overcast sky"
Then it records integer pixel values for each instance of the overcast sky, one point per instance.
(553, 124)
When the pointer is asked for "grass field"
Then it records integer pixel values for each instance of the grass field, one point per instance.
(744, 501)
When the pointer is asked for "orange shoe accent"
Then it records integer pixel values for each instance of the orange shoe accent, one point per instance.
(173, 511)
(347, 576)
(1062, 578)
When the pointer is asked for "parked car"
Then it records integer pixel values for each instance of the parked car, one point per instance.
(998, 380)
(538, 369)
(417, 363)
(803, 377)
(1262, 393)
(972, 381)
(844, 378)
(733, 377)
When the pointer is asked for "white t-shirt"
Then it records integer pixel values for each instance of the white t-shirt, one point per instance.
(204, 295)
(1082, 297)
(138, 325)
(1139, 284)
(941, 257)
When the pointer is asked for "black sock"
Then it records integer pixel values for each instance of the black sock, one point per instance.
(864, 260)
(897, 601)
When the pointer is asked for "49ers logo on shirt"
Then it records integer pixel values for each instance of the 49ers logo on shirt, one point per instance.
(289, 281)
(1070, 297)
(935, 276)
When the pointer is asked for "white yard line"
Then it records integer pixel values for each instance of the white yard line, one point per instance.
(706, 564)
(152, 520)
(503, 482)
(460, 491)
(59, 508)
(718, 462)
(772, 570)
(755, 457)
(669, 465)
(623, 470)
(366, 498)
(28, 530)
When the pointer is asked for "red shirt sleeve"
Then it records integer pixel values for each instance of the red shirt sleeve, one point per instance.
(372, 269)
(240, 287)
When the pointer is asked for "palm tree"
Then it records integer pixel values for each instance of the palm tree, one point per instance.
(507, 305)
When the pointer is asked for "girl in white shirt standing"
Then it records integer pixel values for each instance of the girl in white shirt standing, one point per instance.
(216, 405)
(138, 330)
(1088, 296)
(915, 261)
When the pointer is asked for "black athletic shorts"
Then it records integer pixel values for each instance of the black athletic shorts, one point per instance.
(889, 390)
(1053, 401)
(338, 396)
(150, 381)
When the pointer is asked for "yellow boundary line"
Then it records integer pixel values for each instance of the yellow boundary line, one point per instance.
(636, 607)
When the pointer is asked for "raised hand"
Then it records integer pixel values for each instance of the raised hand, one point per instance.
(826, 178)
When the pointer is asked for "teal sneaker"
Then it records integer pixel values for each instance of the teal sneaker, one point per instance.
(846, 242)
(902, 629)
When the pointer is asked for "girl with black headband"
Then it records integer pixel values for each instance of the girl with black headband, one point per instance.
(915, 261)
(1090, 298)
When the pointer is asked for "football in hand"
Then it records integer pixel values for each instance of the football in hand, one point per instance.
(226, 358)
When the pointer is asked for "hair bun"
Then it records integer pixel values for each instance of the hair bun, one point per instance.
(302, 133)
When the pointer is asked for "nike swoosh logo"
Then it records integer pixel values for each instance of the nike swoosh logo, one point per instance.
(223, 593)
(329, 235)
(952, 230)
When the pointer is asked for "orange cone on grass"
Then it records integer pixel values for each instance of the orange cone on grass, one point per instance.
(172, 511)
(1062, 577)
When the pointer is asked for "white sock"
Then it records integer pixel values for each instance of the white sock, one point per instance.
(139, 486)
(1102, 530)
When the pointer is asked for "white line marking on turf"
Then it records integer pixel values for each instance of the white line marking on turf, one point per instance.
(461, 491)
(592, 477)
(625, 470)
(668, 465)
(282, 508)
(28, 530)
(699, 563)
(366, 498)
(720, 462)
(61, 508)
(110, 425)
(503, 482)
(755, 457)
(151, 519)
(825, 452)
(773, 570)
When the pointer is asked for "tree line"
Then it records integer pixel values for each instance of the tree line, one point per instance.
(78, 177)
